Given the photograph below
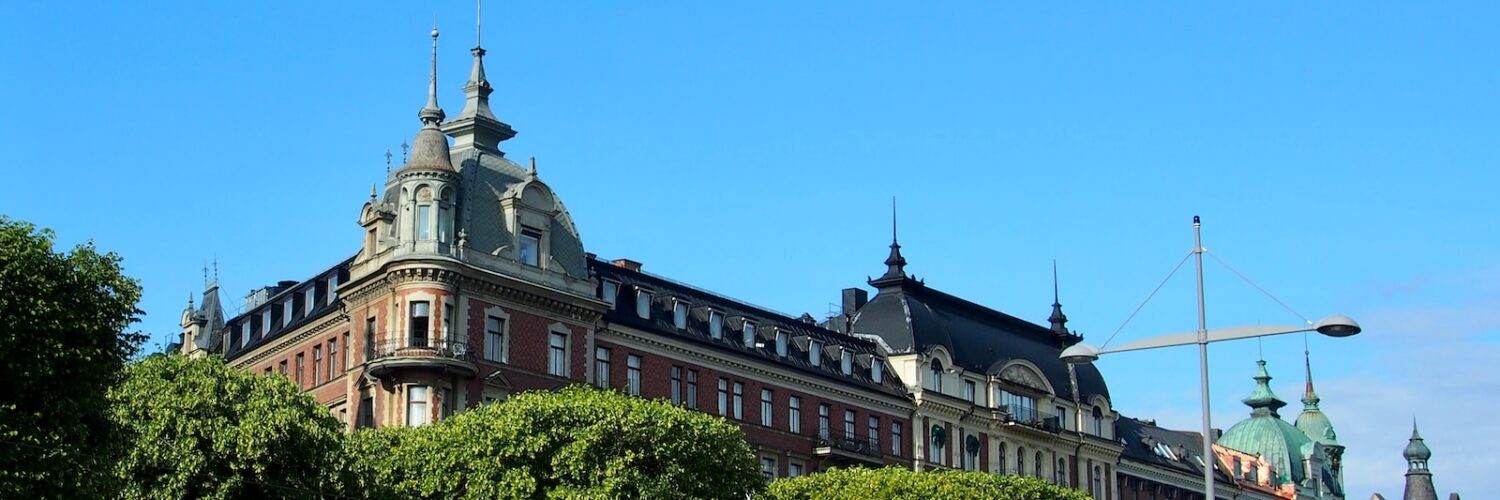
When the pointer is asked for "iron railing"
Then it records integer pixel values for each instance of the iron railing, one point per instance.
(848, 441)
(1033, 417)
(421, 348)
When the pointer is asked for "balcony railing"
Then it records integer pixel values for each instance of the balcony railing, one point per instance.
(851, 443)
(1036, 418)
(420, 348)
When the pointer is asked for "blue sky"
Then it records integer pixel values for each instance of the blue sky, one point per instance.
(1343, 155)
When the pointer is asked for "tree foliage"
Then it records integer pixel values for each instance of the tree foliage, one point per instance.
(894, 483)
(576, 443)
(197, 428)
(63, 339)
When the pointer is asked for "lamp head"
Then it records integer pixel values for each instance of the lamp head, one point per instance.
(1079, 354)
(1337, 325)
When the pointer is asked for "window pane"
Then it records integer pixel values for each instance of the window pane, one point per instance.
(530, 248)
(416, 406)
(679, 315)
(715, 325)
(424, 222)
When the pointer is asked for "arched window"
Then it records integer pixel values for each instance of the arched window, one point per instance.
(939, 437)
(1039, 463)
(1061, 472)
(1000, 460)
(1098, 482)
(935, 380)
(1098, 422)
(1020, 460)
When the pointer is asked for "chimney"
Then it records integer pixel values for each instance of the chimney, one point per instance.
(627, 264)
(854, 298)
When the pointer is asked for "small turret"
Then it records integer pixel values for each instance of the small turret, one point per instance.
(1418, 478)
(1058, 320)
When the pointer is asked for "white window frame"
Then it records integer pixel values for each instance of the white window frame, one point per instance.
(676, 385)
(739, 400)
(418, 411)
(896, 438)
(767, 410)
(715, 325)
(633, 374)
(794, 414)
(846, 361)
(877, 370)
(781, 342)
(643, 303)
(723, 396)
(286, 312)
(609, 292)
(557, 366)
(494, 338)
(970, 392)
(679, 314)
(748, 330)
(310, 302)
(535, 238)
(602, 366)
(265, 322)
(815, 352)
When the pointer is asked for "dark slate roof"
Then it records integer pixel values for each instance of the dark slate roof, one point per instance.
(1140, 439)
(297, 293)
(212, 314)
(735, 313)
(912, 317)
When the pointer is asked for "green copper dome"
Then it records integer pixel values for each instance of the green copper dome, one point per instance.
(1266, 434)
(1313, 422)
(1416, 450)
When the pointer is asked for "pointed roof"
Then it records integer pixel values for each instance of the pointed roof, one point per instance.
(476, 125)
(895, 264)
(1312, 421)
(1416, 450)
(212, 314)
(1058, 320)
(1262, 400)
(429, 149)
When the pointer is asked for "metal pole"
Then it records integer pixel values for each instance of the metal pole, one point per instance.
(1208, 447)
(1077, 426)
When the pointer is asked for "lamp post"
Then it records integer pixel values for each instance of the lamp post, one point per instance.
(1334, 326)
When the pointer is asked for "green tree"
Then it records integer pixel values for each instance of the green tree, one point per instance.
(197, 428)
(893, 483)
(576, 443)
(63, 341)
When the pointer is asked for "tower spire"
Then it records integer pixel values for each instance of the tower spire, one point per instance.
(895, 264)
(476, 125)
(1262, 400)
(1309, 396)
(429, 149)
(1058, 320)
(431, 113)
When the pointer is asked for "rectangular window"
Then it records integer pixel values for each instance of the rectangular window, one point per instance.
(633, 374)
(877, 370)
(601, 367)
(815, 353)
(846, 362)
(333, 286)
(531, 247)
(417, 324)
(309, 300)
(299, 370)
(416, 406)
(768, 467)
(1062, 418)
(643, 304)
(679, 314)
(794, 415)
(281, 368)
(366, 417)
(448, 321)
(609, 291)
(766, 412)
(333, 358)
(793, 469)
(494, 338)
(265, 322)
(676, 385)
(557, 354)
(739, 401)
(873, 433)
(749, 334)
(424, 221)
(287, 311)
(692, 389)
(896, 439)
(723, 397)
(715, 325)
(849, 424)
(245, 335)
(781, 342)
(317, 377)
(369, 337)
(823, 421)
(969, 390)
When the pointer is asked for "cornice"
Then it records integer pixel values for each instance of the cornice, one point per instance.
(283, 343)
(568, 309)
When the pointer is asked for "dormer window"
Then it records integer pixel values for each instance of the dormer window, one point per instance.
(749, 332)
(531, 247)
(265, 321)
(609, 291)
(286, 312)
(935, 377)
(877, 370)
(969, 391)
(815, 353)
(679, 314)
(781, 341)
(643, 304)
(846, 361)
(333, 284)
(245, 333)
(715, 325)
(310, 301)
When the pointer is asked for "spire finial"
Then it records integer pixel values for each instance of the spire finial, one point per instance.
(895, 264)
(1058, 320)
(431, 114)
(215, 281)
(387, 160)
(1054, 283)
(893, 220)
(531, 169)
(205, 279)
(405, 148)
(478, 23)
(372, 192)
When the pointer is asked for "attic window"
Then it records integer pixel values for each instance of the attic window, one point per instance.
(609, 291)
(877, 367)
(643, 304)
(781, 342)
(333, 285)
(245, 330)
(715, 325)
(530, 247)
(815, 352)
(310, 301)
(679, 314)
(749, 332)
(846, 361)
(286, 312)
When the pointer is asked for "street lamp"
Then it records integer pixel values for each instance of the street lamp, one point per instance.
(1336, 325)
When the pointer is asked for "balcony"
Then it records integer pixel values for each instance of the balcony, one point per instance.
(848, 447)
(445, 355)
(1028, 416)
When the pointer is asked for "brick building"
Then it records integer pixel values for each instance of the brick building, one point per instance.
(470, 282)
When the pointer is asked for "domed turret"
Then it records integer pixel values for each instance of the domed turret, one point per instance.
(1266, 434)
(1416, 450)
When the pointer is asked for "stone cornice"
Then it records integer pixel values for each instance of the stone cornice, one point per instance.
(569, 309)
(784, 377)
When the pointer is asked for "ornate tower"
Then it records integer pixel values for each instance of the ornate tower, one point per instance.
(1418, 478)
(203, 326)
(1313, 422)
(427, 185)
